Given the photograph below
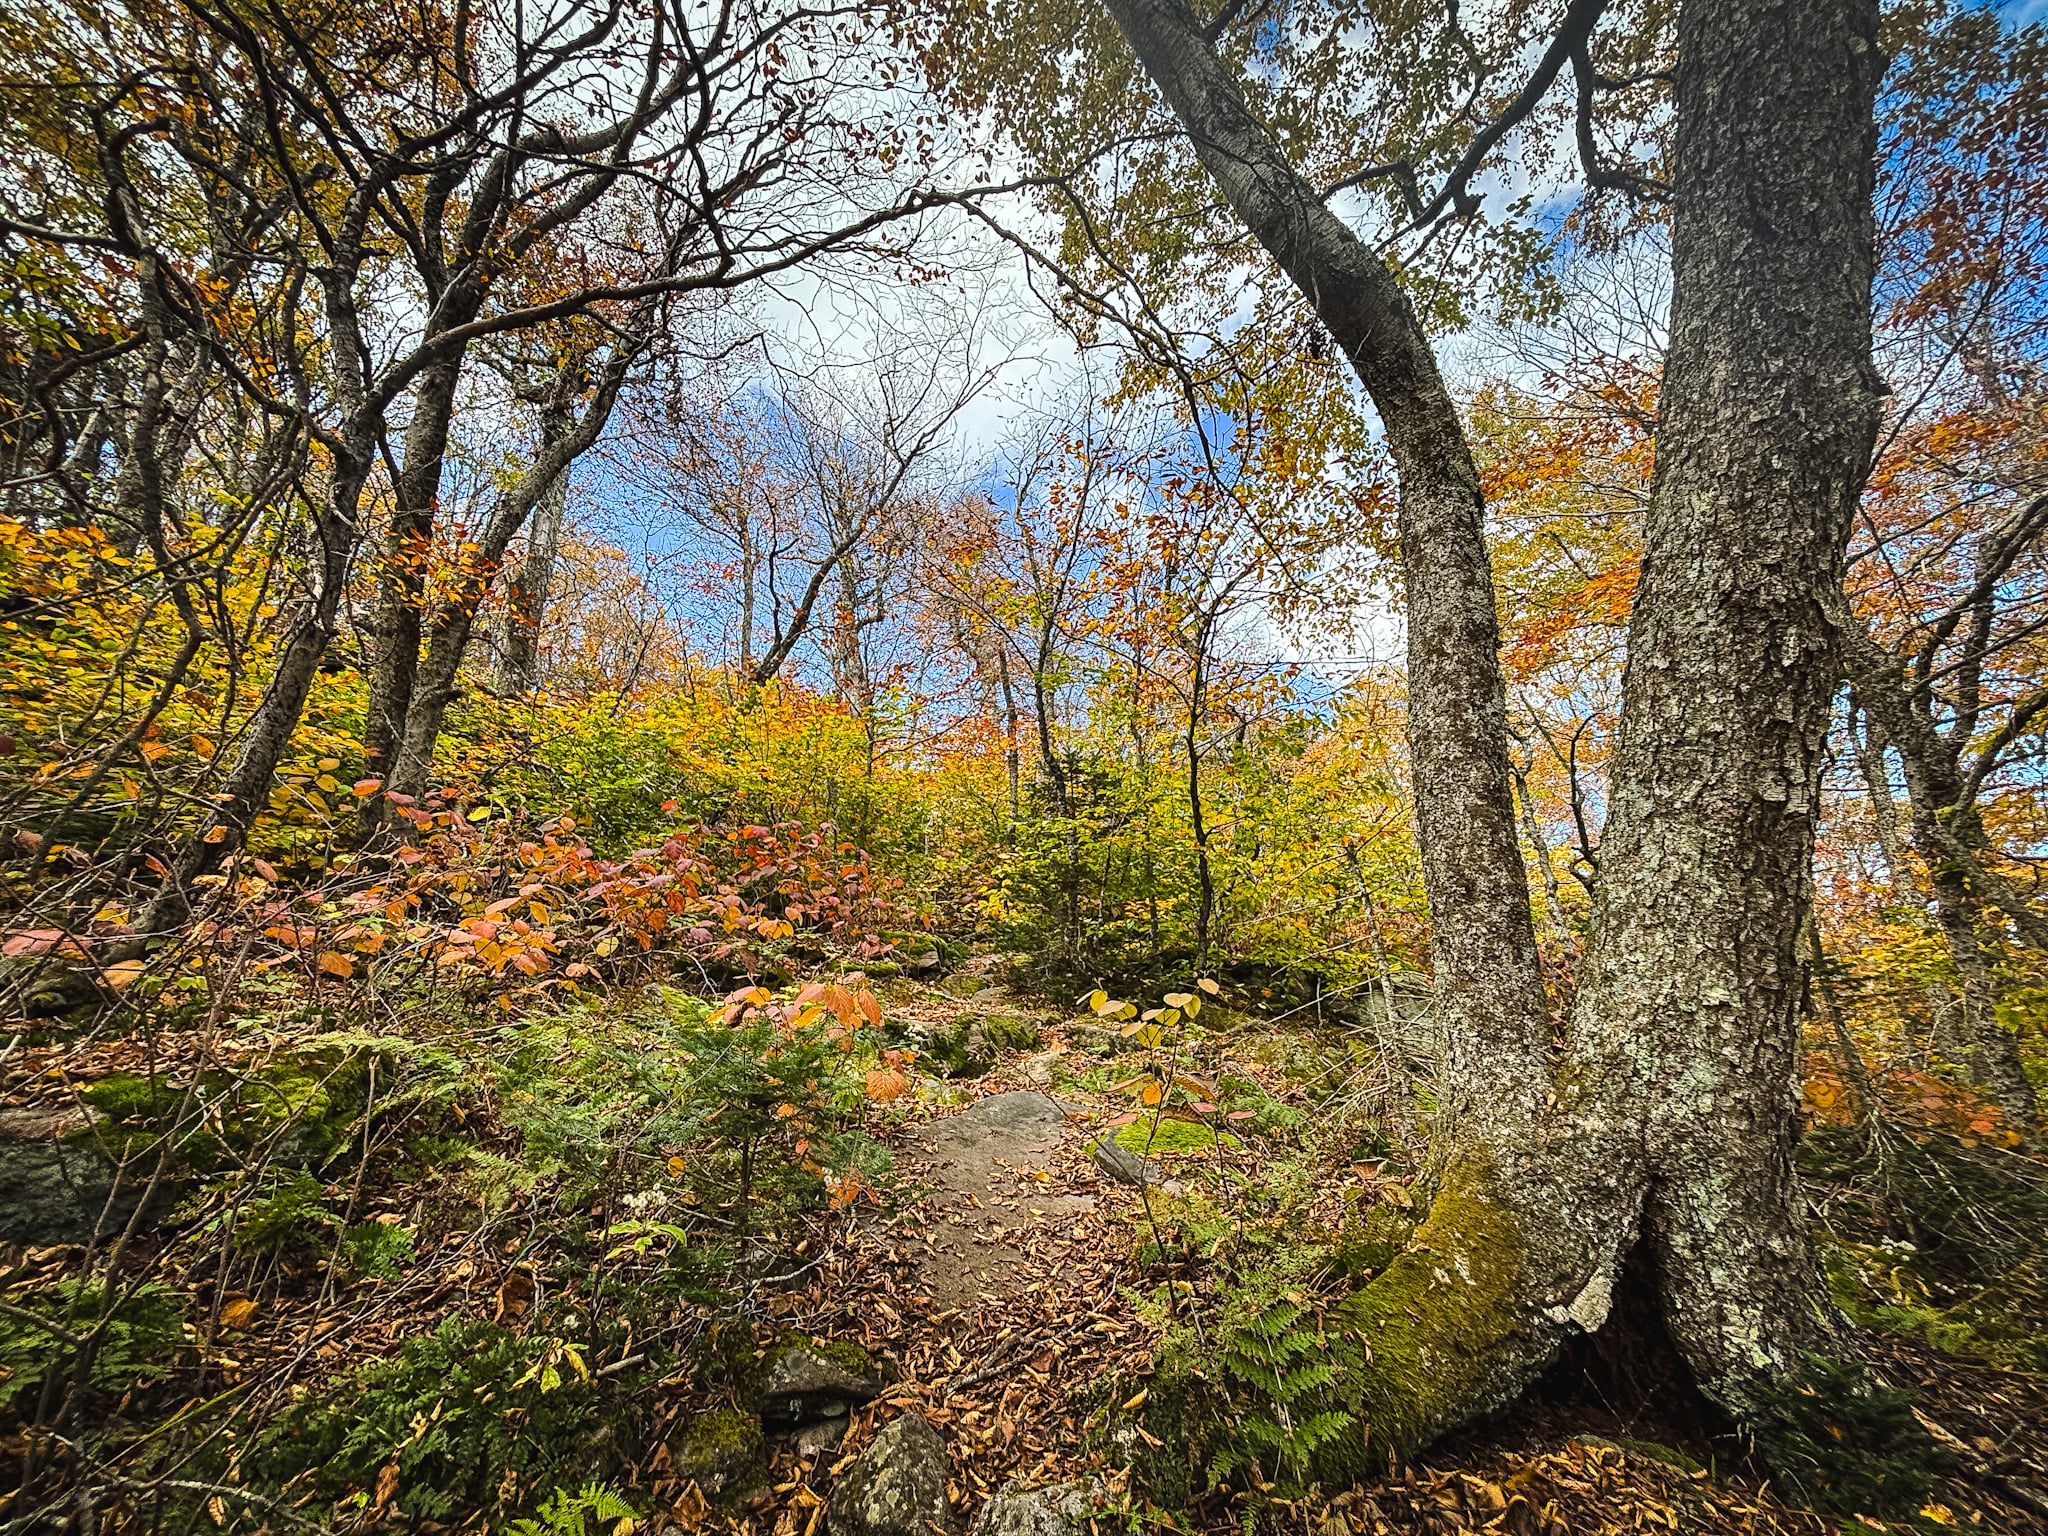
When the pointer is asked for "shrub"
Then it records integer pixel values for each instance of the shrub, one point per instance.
(471, 1417)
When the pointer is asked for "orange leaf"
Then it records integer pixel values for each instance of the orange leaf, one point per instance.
(336, 964)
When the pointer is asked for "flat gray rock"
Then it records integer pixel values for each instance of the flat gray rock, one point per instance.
(897, 1486)
(1013, 1112)
(1061, 1510)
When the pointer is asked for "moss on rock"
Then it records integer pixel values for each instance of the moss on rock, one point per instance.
(723, 1450)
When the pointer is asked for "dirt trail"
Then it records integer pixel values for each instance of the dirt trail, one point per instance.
(972, 1259)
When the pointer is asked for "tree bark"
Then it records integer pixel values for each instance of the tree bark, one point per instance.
(1675, 1098)
(1767, 417)
(527, 602)
(402, 572)
(455, 620)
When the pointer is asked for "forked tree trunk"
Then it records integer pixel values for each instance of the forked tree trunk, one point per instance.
(1668, 1119)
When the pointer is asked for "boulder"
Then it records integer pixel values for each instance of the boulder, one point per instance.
(55, 1180)
(1061, 1510)
(955, 1048)
(1010, 1030)
(897, 1487)
(1044, 1069)
(722, 1450)
(803, 1382)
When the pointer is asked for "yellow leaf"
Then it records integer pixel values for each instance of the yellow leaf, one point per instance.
(1209, 987)
(676, 1166)
(1137, 1401)
(238, 1314)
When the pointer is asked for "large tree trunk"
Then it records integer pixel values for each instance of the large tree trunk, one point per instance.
(1689, 1015)
(1675, 1103)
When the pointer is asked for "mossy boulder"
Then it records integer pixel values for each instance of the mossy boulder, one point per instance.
(1012, 1031)
(958, 1047)
(58, 1184)
(724, 1451)
(803, 1380)
(296, 1111)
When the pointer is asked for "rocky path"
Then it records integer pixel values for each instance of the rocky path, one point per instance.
(979, 1222)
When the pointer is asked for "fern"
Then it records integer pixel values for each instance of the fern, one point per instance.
(569, 1514)
(1279, 1370)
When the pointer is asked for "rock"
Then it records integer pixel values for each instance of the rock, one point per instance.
(897, 1487)
(803, 1382)
(1044, 1069)
(55, 1180)
(959, 1048)
(1061, 1510)
(722, 1450)
(1015, 1112)
(814, 1440)
(1010, 1030)
(1125, 1166)
(1093, 1037)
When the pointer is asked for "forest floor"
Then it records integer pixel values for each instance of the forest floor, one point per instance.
(1005, 1299)
(1004, 1279)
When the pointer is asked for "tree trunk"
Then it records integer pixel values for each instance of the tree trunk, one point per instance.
(1675, 1103)
(1768, 412)
(526, 603)
(269, 732)
(1952, 841)
(402, 574)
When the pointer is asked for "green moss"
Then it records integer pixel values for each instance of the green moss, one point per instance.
(1011, 1031)
(1882, 1287)
(1433, 1323)
(1368, 1244)
(297, 1111)
(724, 1451)
(1173, 1138)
